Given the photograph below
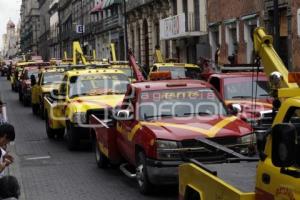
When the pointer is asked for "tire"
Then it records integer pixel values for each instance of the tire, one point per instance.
(41, 110)
(72, 138)
(51, 133)
(144, 184)
(25, 101)
(35, 109)
(20, 96)
(101, 160)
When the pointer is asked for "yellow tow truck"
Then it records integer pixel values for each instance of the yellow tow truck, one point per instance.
(48, 80)
(178, 70)
(277, 174)
(83, 90)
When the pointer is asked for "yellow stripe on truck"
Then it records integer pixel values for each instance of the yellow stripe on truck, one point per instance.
(210, 133)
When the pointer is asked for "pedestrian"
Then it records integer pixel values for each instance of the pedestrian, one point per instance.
(7, 135)
(217, 55)
(9, 188)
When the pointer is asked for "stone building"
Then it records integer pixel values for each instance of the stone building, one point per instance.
(10, 40)
(30, 26)
(53, 36)
(43, 43)
(230, 25)
(65, 26)
(81, 17)
(143, 29)
(108, 18)
(187, 29)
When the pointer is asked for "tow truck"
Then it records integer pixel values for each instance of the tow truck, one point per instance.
(82, 89)
(245, 91)
(48, 80)
(178, 70)
(25, 81)
(276, 175)
(157, 121)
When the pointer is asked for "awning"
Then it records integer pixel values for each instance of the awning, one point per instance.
(249, 17)
(230, 21)
(98, 7)
(214, 24)
(109, 3)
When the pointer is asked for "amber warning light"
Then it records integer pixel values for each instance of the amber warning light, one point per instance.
(294, 77)
(156, 76)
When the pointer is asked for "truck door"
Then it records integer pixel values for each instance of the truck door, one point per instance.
(125, 128)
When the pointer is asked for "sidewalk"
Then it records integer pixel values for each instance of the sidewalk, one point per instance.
(14, 169)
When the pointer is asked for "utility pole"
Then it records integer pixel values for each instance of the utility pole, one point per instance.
(276, 25)
(125, 29)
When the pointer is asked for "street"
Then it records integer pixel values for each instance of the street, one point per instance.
(47, 170)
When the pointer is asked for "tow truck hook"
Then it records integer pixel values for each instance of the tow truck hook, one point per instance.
(128, 170)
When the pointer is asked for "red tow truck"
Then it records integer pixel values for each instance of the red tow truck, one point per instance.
(158, 122)
(25, 81)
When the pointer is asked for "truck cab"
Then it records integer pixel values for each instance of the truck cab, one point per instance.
(48, 80)
(158, 121)
(178, 70)
(248, 92)
(81, 91)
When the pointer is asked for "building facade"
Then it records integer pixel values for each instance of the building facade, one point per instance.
(230, 27)
(144, 31)
(54, 33)
(43, 42)
(30, 26)
(10, 40)
(108, 20)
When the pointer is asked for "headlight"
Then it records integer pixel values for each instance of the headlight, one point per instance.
(167, 150)
(247, 139)
(79, 118)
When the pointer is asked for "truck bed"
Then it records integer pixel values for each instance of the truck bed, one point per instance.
(240, 175)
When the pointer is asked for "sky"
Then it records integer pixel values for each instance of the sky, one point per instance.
(9, 9)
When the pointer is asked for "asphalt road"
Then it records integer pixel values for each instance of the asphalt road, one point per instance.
(48, 171)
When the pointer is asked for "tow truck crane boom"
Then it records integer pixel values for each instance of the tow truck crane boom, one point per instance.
(113, 52)
(78, 51)
(263, 47)
(136, 70)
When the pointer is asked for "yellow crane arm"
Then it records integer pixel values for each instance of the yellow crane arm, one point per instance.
(113, 52)
(263, 47)
(158, 56)
(78, 51)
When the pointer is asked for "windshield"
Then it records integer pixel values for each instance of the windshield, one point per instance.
(98, 84)
(180, 103)
(182, 72)
(35, 73)
(127, 71)
(52, 77)
(243, 88)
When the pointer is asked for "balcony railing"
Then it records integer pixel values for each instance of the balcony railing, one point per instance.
(109, 23)
(269, 3)
(182, 25)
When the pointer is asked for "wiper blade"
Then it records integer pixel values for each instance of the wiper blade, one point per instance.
(157, 116)
(199, 113)
(241, 97)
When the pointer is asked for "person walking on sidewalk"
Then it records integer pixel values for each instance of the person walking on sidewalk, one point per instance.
(7, 135)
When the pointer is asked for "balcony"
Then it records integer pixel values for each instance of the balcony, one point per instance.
(181, 26)
(109, 23)
(269, 4)
(53, 4)
(133, 4)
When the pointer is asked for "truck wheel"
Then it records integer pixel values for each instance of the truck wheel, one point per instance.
(20, 96)
(144, 184)
(41, 110)
(49, 130)
(25, 101)
(101, 159)
(35, 109)
(72, 138)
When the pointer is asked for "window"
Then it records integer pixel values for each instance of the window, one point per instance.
(298, 21)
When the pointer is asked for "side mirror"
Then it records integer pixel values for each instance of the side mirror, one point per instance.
(124, 115)
(56, 96)
(235, 108)
(284, 144)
